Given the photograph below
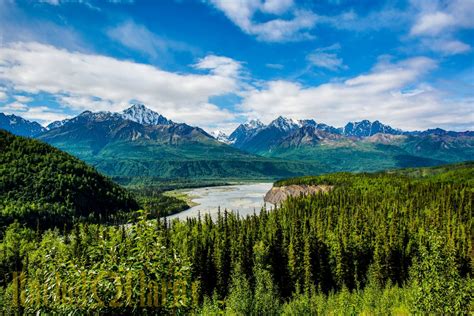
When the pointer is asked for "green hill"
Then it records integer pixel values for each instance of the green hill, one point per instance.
(41, 184)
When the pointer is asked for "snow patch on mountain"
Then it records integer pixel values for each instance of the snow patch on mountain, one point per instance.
(143, 115)
(286, 124)
(221, 136)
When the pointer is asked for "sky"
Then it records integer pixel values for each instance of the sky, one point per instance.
(219, 63)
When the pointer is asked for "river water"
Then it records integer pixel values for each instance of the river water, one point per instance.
(242, 198)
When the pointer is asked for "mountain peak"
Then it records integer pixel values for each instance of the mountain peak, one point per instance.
(285, 124)
(254, 124)
(19, 125)
(141, 114)
(366, 128)
(220, 136)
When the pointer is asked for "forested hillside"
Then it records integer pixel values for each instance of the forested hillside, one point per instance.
(391, 242)
(41, 185)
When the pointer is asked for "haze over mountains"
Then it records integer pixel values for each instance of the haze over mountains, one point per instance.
(140, 143)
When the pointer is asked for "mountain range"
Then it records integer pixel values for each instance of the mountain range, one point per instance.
(139, 143)
(358, 146)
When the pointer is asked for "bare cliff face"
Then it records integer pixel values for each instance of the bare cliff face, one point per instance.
(278, 194)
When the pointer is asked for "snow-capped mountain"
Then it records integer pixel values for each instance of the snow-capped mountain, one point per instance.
(221, 136)
(19, 126)
(138, 113)
(308, 135)
(245, 131)
(56, 124)
(286, 124)
(143, 115)
(367, 128)
(254, 124)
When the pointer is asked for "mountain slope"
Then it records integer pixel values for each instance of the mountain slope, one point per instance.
(123, 148)
(41, 183)
(19, 126)
(367, 128)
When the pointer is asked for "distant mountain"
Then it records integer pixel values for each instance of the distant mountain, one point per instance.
(221, 136)
(125, 148)
(19, 126)
(285, 124)
(255, 136)
(367, 128)
(139, 143)
(143, 115)
(138, 113)
(56, 124)
(308, 135)
(359, 146)
(440, 132)
(244, 132)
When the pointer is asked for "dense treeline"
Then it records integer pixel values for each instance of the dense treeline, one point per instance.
(40, 184)
(377, 243)
(371, 230)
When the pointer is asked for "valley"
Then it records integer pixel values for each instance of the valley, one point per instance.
(367, 215)
(236, 157)
(241, 199)
(139, 146)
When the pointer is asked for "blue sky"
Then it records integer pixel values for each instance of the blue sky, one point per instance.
(218, 63)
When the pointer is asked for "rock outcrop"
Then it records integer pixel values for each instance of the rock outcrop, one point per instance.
(278, 194)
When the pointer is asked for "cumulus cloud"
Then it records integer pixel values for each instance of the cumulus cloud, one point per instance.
(275, 29)
(219, 65)
(382, 94)
(432, 23)
(86, 81)
(437, 23)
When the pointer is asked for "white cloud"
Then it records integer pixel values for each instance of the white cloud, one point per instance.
(23, 98)
(219, 65)
(42, 114)
(140, 38)
(432, 23)
(86, 81)
(437, 23)
(327, 58)
(3, 95)
(275, 29)
(274, 66)
(378, 95)
(387, 17)
(448, 47)
(51, 2)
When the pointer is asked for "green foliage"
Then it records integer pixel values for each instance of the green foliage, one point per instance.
(240, 298)
(266, 299)
(437, 284)
(86, 270)
(140, 161)
(365, 155)
(384, 243)
(42, 185)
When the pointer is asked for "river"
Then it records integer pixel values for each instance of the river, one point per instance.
(242, 198)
